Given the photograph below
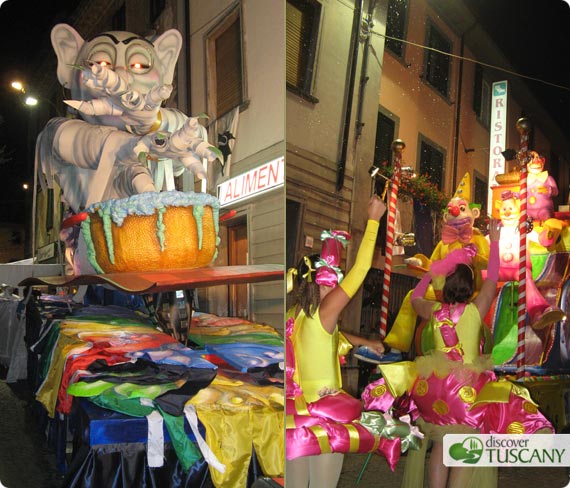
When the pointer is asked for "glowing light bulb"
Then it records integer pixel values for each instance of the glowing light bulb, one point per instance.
(16, 85)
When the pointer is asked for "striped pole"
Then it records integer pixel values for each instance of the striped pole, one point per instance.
(397, 148)
(523, 127)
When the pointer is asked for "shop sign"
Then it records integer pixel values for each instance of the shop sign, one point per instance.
(498, 134)
(259, 180)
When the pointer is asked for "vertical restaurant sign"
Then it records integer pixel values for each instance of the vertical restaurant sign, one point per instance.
(498, 134)
(258, 180)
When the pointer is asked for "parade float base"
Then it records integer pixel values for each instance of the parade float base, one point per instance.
(552, 393)
(168, 280)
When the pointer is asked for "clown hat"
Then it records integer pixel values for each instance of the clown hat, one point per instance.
(464, 188)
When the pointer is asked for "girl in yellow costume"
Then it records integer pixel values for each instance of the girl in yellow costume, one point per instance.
(457, 232)
(453, 387)
(315, 341)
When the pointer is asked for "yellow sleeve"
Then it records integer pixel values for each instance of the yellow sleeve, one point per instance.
(356, 275)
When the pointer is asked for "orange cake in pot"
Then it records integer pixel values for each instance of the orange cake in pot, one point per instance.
(152, 231)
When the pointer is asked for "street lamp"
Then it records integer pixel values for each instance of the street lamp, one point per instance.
(31, 101)
(16, 85)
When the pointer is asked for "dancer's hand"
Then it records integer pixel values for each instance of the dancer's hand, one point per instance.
(376, 346)
(494, 230)
(376, 208)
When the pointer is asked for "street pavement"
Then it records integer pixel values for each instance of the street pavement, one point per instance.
(27, 462)
(25, 459)
(378, 475)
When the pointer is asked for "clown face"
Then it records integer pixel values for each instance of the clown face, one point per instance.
(536, 164)
(509, 212)
(458, 213)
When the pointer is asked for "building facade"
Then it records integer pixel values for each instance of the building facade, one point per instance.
(225, 74)
(362, 74)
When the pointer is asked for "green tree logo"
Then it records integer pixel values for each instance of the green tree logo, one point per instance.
(469, 451)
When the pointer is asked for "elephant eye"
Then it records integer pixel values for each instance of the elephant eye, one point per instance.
(139, 61)
(106, 64)
(102, 55)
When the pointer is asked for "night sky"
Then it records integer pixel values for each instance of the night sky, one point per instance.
(535, 34)
(24, 27)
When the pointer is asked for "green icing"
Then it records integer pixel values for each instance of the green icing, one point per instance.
(114, 211)
(198, 212)
(216, 216)
(107, 229)
(91, 256)
(160, 227)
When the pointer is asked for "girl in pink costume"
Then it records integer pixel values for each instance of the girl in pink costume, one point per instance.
(453, 387)
(320, 415)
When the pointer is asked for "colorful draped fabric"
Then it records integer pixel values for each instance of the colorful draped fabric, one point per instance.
(130, 367)
(127, 366)
(240, 417)
(211, 329)
(74, 348)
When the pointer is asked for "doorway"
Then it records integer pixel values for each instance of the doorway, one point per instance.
(238, 256)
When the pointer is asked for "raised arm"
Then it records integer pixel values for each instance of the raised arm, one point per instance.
(485, 297)
(422, 306)
(333, 303)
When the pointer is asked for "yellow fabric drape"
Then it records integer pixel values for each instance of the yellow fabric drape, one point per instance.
(239, 418)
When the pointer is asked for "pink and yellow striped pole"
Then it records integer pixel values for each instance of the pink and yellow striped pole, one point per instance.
(523, 127)
(397, 148)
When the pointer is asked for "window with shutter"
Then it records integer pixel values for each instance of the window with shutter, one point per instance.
(225, 67)
(480, 192)
(437, 64)
(481, 97)
(396, 25)
(385, 130)
(432, 162)
(302, 23)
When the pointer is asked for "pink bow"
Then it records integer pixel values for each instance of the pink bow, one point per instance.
(452, 234)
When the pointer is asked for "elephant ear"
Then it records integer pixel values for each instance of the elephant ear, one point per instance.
(167, 48)
(66, 43)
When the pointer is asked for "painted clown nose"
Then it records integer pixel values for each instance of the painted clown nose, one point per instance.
(454, 210)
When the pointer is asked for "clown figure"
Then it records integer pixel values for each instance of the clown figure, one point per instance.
(457, 232)
(541, 188)
(539, 311)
